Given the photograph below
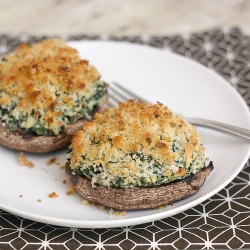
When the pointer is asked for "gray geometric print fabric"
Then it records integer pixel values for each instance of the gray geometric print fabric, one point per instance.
(221, 222)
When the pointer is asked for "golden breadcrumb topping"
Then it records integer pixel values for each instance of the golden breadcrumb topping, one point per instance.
(136, 144)
(45, 81)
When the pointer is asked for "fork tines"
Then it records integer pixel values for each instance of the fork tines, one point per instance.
(118, 93)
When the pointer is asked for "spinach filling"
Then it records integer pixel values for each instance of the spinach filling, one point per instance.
(39, 128)
(149, 168)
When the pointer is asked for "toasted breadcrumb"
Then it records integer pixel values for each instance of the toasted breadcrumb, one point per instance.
(24, 162)
(159, 207)
(117, 213)
(101, 207)
(64, 181)
(20, 195)
(39, 200)
(87, 202)
(53, 161)
(53, 195)
(62, 167)
(91, 203)
(71, 190)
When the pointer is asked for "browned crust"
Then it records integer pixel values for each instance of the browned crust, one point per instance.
(138, 197)
(43, 144)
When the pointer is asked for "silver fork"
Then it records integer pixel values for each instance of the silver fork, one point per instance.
(120, 94)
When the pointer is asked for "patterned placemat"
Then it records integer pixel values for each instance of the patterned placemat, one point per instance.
(221, 222)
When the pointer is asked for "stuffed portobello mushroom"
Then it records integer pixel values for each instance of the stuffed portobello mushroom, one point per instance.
(137, 156)
(47, 92)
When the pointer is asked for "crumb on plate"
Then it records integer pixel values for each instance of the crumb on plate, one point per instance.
(53, 195)
(87, 202)
(101, 207)
(62, 166)
(53, 161)
(24, 162)
(71, 190)
(117, 213)
(91, 203)
(159, 207)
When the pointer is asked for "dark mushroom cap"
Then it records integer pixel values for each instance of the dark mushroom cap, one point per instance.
(138, 197)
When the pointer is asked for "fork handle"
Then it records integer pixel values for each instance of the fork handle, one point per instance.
(229, 129)
(241, 133)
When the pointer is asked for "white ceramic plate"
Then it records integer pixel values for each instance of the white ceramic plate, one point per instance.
(184, 86)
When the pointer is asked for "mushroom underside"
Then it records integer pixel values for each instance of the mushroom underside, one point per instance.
(138, 197)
